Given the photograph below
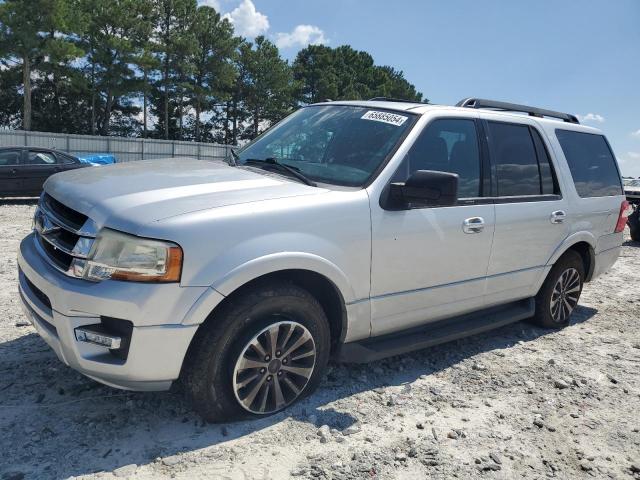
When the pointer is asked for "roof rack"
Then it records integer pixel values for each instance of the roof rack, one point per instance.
(514, 107)
(389, 99)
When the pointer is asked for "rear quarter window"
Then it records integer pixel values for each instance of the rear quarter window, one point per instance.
(592, 165)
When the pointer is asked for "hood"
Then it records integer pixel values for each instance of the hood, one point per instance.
(127, 195)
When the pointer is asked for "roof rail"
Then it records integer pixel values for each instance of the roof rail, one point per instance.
(514, 107)
(389, 99)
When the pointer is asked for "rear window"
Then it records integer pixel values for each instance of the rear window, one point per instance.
(591, 162)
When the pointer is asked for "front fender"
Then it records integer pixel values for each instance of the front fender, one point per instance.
(284, 261)
(258, 267)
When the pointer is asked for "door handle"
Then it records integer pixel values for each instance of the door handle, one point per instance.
(558, 216)
(473, 225)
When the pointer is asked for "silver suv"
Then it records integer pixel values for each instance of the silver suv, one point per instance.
(351, 230)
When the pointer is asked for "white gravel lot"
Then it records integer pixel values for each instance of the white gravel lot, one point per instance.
(518, 402)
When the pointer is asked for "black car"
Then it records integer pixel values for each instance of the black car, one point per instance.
(23, 170)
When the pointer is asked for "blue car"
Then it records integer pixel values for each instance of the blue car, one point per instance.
(96, 158)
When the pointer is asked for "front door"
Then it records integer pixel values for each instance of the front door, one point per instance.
(38, 165)
(426, 263)
(9, 165)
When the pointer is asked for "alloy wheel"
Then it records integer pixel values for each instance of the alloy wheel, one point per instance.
(565, 295)
(274, 367)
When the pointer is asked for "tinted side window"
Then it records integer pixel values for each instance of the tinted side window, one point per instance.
(515, 159)
(9, 157)
(62, 158)
(40, 158)
(447, 145)
(591, 162)
(547, 178)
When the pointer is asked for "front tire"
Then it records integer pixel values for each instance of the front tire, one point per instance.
(560, 292)
(265, 348)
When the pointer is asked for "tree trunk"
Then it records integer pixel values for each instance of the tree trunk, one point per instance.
(107, 113)
(166, 100)
(234, 134)
(197, 118)
(226, 122)
(144, 106)
(256, 122)
(180, 117)
(26, 81)
(93, 98)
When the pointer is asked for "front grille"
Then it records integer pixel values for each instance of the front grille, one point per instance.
(61, 259)
(75, 219)
(63, 234)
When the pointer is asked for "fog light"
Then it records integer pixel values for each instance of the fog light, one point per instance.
(96, 335)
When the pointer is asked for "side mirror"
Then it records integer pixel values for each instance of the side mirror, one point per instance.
(426, 188)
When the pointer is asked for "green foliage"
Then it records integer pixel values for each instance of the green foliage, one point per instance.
(163, 68)
(343, 73)
(32, 31)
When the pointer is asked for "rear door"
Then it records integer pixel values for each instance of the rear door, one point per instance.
(9, 166)
(37, 166)
(531, 212)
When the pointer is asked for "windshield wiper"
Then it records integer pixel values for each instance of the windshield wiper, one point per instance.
(272, 162)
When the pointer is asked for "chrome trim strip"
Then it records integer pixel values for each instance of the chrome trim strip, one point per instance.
(62, 223)
(50, 240)
(48, 259)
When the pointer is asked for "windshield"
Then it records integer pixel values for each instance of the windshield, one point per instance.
(337, 144)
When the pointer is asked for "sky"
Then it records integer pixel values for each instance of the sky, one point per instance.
(575, 56)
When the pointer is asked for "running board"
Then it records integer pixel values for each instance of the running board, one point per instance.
(375, 348)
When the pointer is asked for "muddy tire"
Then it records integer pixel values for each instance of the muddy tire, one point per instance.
(560, 292)
(263, 350)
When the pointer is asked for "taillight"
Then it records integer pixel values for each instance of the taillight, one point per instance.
(622, 217)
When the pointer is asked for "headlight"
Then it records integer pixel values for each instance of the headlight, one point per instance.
(119, 256)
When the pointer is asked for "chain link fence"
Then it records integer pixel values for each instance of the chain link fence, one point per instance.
(123, 148)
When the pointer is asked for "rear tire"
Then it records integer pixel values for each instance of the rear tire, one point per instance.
(233, 370)
(634, 224)
(560, 292)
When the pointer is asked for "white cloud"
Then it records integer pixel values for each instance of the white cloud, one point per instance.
(630, 164)
(591, 117)
(636, 133)
(247, 21)
(215, 4)
(301, 36)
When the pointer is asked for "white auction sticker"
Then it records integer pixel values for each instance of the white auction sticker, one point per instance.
(385, 117)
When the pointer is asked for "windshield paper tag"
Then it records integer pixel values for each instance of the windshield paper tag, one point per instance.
(385, 117)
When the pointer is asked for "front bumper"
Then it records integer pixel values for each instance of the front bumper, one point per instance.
(57, 304)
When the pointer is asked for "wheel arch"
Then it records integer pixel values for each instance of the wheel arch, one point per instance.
(327, 293)
(582, 243)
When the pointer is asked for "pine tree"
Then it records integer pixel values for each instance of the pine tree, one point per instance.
(174, 44)
(211, 68)
(28, 33)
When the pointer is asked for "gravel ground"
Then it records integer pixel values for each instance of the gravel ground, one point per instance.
(518, 402)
